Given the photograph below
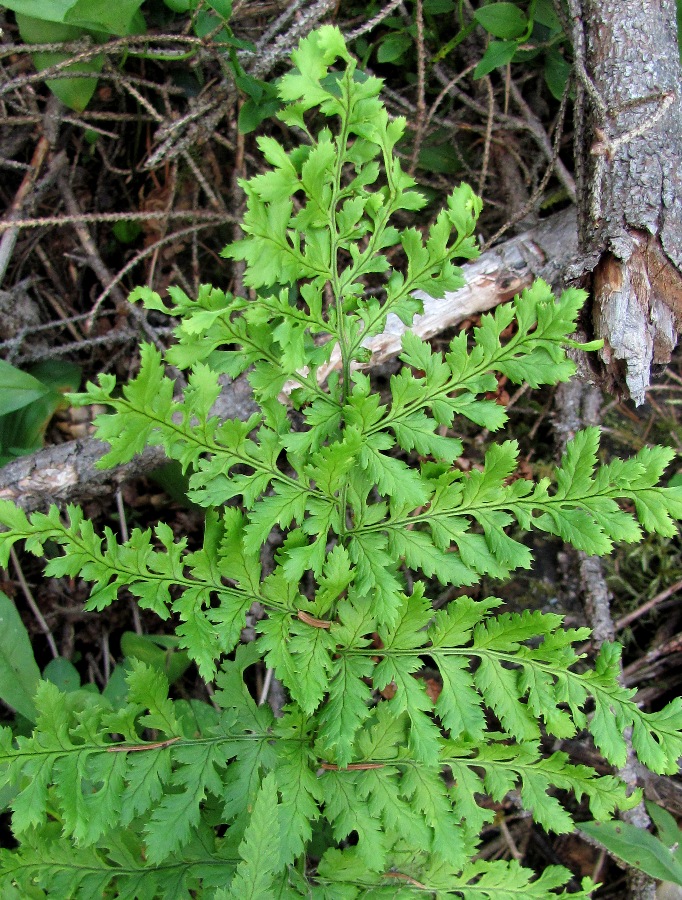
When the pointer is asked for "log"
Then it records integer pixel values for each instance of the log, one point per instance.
(68, 473)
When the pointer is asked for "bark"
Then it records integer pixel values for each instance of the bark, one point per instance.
(629, 157)
(68, 473)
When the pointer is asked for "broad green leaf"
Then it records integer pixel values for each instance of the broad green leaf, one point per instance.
(98, 15)
(437, 7)
(126, 231)
(76, 92)
(545, 14)
(19, 673)
(502, 20)
(116, 688)
(393, 47)
(440, 159)
(667, 827)
(636, 847)
(62, 673)
(17, 388)
(42, 10)
(23, 430)
(222, 7)
(557, 73)
(160, 651)
(251, 114)
(498, 53)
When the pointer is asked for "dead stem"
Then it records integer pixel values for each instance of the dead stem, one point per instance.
(33, 606)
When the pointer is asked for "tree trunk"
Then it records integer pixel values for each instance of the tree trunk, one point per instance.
(629, 163)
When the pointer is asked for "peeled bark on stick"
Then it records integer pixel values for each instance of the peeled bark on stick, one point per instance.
(67, 473)
(629, 149)
(495, 277)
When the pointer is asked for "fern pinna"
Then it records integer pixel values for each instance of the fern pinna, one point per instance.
(357, 790)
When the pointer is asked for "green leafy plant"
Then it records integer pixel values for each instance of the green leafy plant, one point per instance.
(524, 33)
(520, 32)
(527, 33)
(19, 673)
(157, 650)
(57, 21)
(660, 857)
(365, 786)
(62, 21)
(28, 400)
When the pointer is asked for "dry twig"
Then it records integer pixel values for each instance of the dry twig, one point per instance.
(578, 405)
(33, 606)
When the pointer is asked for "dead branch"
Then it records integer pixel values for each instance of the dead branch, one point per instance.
(578, 405)
(69, 473)
(495, 277)
(202, 215)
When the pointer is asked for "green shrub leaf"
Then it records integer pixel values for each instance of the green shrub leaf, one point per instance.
(19, 673)
(502, 20)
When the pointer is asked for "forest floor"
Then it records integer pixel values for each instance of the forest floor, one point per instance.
(141, 187)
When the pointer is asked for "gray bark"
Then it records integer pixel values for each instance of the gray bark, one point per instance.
(68, 473)
(629, 156)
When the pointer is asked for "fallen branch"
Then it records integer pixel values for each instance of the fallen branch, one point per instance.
(67, 473)
(578, 406)
(495, 277)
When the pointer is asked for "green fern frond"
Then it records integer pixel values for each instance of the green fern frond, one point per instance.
(367, 784)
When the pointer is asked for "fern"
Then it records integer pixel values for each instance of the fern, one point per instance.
(366, 786)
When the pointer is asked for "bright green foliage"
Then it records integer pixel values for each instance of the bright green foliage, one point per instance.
(660, 857)
(19, 674)
(366, 786)
(28, 400)
(63, 21)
